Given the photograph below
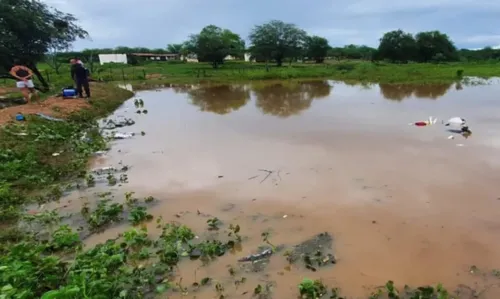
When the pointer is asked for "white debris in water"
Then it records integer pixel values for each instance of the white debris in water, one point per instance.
(451, 137)
(119, 135)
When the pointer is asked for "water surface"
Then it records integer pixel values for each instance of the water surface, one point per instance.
(403, 202)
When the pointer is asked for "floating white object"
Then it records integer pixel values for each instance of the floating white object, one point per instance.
(451, 137)
(456, 121)
(460, 144)
(123, 135)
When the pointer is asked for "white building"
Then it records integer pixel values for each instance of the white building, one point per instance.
(113, 58)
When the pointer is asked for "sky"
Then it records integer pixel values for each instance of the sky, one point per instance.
(155, 23)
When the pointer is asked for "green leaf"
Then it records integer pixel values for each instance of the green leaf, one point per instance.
(161, 288)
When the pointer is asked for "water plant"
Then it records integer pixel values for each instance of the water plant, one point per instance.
(213, 223)
(138, 215)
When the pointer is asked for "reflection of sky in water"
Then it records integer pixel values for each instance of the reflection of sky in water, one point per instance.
(194, 136)
(345, 108)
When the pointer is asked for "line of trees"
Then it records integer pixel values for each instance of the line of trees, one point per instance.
(277, 42)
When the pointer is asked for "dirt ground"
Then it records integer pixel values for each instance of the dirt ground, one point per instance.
(53, 106)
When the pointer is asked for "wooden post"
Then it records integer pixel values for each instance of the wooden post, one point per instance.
(123, 75)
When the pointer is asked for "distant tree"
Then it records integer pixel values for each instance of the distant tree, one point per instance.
(53, 60)
(435, 46)
(317, 48)
(277, 41)
(398, 46)
(174, 48)
(29, 28)
(213, 44)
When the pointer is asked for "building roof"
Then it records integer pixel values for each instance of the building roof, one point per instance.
(154, 55)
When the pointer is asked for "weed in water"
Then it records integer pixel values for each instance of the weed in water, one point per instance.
(219, 289)
(311, 289)
(138, 215)
(257, 290)
(143, 133)
(111, 180)
(213, 223)
(123, 178)
(211, 249)
(130, 201)
(265, 239)
(90, 181)
(234, 231)
(149, 199)
(64, 238)
(104, 215)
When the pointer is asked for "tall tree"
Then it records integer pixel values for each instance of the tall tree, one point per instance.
(317, 48)
(174, 48)
(398, 46)
(435, 46)
(29, 28)
(277, 40)
(213, 44)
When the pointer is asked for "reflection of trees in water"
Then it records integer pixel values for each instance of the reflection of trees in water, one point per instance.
(399, 92)
(220, 99)
(283, 99)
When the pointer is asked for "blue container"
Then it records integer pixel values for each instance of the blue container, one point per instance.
(69, 93)
(19, 117)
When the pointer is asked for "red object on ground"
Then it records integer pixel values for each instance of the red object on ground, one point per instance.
(420, 123)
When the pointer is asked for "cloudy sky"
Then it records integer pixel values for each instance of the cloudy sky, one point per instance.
(156, 23)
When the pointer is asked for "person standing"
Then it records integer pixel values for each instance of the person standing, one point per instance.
(24, 76)
(80, 77)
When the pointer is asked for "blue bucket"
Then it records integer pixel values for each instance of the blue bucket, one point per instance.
(69, 93)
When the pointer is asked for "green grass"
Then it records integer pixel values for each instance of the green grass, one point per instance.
(29, 172)
(362, 71)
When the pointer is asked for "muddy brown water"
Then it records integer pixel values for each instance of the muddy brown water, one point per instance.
(403, 203)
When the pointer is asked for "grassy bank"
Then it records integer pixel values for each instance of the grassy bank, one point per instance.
(168, 72)
(29, 171)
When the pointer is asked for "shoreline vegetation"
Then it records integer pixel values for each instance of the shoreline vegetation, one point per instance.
(240, 72)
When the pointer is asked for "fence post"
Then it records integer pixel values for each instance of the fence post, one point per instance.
(144, 73)
(123, 75)
(111, 74)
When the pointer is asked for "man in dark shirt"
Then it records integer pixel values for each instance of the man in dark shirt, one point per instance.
(80, 76)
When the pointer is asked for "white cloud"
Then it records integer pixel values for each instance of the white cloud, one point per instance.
(156, 23)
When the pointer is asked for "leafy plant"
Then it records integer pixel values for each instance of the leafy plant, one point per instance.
(138, 215)
(213, 223)
(104, 214)
(130, 201)
(64, 238)
(311, 289)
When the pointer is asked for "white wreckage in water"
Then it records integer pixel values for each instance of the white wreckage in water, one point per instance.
(458, 122)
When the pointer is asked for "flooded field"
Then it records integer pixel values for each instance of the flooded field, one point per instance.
(401, 202)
